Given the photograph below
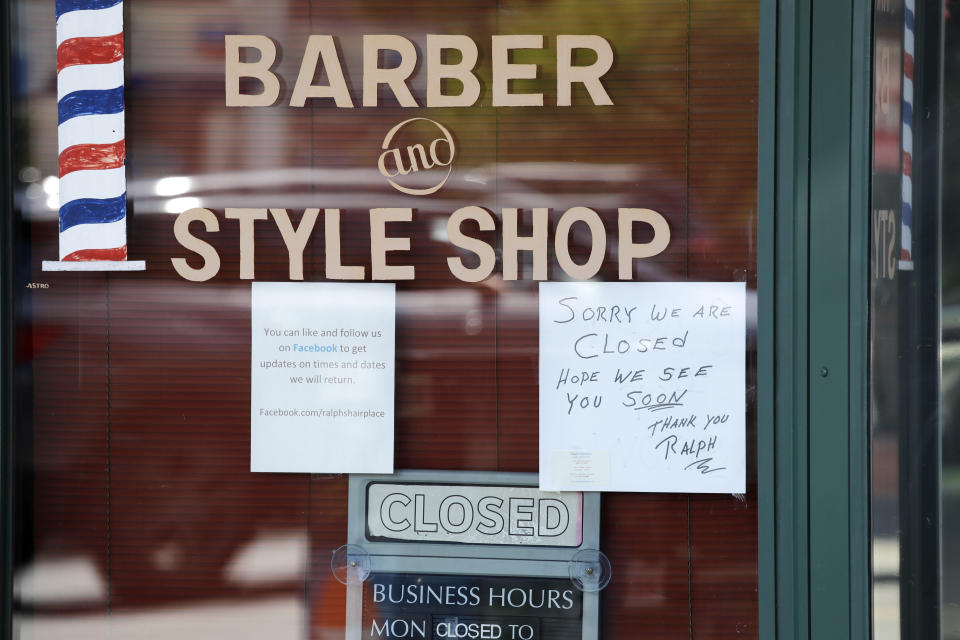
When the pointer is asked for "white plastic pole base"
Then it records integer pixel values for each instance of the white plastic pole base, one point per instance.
(94, 265)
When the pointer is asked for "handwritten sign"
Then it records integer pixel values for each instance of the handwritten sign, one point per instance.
(322, 377)
(642, 386)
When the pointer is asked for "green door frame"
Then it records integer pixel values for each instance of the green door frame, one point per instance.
(813, 471)
(813, 465)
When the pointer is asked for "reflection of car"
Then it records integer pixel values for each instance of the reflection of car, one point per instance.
(144, 466)
(553, 185)
(950, 385)
(950, 461)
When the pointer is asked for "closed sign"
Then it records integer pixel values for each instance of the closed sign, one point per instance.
(473, 514)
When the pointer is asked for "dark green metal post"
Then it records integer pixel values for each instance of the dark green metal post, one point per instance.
(814, 203)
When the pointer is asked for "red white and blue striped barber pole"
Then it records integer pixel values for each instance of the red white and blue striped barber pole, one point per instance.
(90, 130)
(906, 171)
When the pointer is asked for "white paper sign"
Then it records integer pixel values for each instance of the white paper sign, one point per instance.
(642, 386)
(321, 379)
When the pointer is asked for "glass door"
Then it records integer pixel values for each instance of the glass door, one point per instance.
(205, 148)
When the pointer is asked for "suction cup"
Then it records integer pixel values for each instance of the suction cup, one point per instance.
(350, 564)
(590, 570)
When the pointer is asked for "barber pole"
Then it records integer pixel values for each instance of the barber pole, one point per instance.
(906, 171)
(90, 131)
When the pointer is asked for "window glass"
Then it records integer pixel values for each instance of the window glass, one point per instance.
(136, 511)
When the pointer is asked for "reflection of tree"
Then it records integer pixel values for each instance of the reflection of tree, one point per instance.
(646, 83)
(684, 84)
(660, 50)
